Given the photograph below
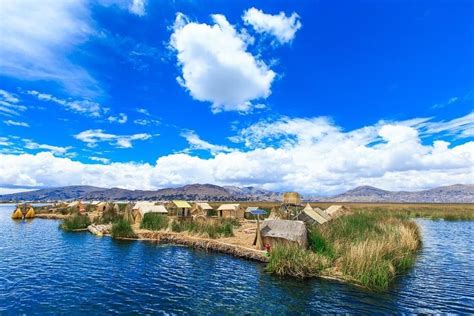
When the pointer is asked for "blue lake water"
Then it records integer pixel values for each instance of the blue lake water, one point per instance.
(44, 270)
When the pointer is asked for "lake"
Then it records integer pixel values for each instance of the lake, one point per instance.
(44, 270)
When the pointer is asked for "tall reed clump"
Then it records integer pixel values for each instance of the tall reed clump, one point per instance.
(154, 221)
(75, 222)
(369, 249)
(292, 260)
(122, 229)
(221, 228)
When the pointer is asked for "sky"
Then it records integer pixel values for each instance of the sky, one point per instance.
(313, 96)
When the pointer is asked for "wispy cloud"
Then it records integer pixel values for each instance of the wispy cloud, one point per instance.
(38, 36)
(461, 127)
(444, 104)
(10, 104)
(94, 136)
(143, 111)
(100, 159)
(145, 122)
(29, 144)
(16, 123)
(121, 118)
(85, 107)
(196, 143)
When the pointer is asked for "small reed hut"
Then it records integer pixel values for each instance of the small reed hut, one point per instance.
(30, 213)
(292, 198)
(77, 206)
(17, 214)
(230, 211)
(100, 206)
(291, 205)
(141, 208)
(201, 210)
(275, 231)
(180, 208)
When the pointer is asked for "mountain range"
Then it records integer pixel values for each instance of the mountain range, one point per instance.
(459, 193)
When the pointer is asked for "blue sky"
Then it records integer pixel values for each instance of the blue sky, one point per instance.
(314, 96)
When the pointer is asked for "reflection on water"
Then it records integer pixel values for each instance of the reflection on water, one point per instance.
(46, 270)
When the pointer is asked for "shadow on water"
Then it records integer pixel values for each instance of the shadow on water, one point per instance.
(46, 270)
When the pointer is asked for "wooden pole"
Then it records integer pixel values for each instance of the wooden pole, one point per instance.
(259, 236)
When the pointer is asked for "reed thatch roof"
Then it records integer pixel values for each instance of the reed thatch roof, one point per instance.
(322, 213)
(181, 204)
(204, 206)
(285, 229)
(228, 207)
(308, 215)
(149, 207)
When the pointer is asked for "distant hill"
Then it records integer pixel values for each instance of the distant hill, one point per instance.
(459, 193)
(187, 192)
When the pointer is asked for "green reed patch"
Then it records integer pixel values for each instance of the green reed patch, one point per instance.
(122, 229)
(154, 221)
(75, 222)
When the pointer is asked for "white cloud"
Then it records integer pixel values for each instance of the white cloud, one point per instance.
(94, 136)
(461, 126)
(29, 144)
(16, 123)
(10, 104)
(145, 122)
(85, 107)
(196, 143)
(311, 155)
(216, 66)
(281, 26)
(36, 38)
(100, 159)
(137, 7)
(143, 111)
(8, 97)
(121, 118)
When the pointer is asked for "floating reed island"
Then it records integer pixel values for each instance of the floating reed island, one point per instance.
(294, 239)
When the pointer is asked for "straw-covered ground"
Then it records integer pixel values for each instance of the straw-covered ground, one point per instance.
(366, 249)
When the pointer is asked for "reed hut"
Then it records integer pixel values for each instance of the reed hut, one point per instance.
(77, 206)
(17, 214)
(335, 211)
(291, 205)
(201, 209)
(180, 208)
(128, 214)
(281, 231)
(310, 216)
(292, 198)
(141, 208)
(30, 213)
(101, 206)
(230, 211)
